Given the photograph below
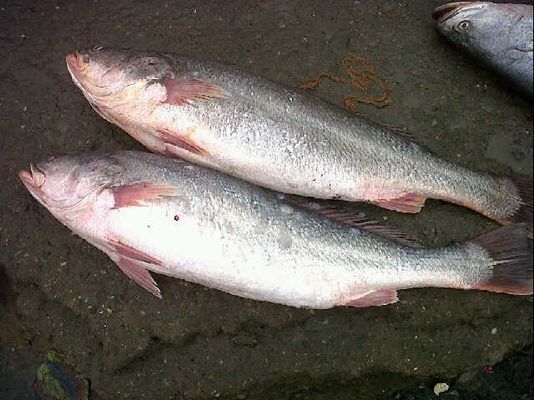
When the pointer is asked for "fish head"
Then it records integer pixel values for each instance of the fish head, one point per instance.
(105, 74)
(461, 22)
(482, 27)
(68, 183)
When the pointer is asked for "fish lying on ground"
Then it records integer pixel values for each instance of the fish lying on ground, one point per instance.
(149, 212)
(277, 137)
(498, 34)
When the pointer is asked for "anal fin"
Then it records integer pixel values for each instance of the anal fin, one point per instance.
(379, 297)
(407, 203)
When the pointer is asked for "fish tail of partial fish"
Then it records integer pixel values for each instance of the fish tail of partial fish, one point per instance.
(523, 212)
(507, 200)
(508, 259)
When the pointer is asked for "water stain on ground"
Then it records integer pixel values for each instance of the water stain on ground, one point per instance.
(515, 153)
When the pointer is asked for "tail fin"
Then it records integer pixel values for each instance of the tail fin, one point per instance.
(524, 212)
(509, 249)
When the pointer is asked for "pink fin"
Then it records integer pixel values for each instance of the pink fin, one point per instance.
(180, 141)
(130, 252)
(407, 203)
(511, 265)
(139, 275)
(136, 194)
(187, 91)
(376, 298)
(350, 218)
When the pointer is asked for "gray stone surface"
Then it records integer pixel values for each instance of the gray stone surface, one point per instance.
(59, 292)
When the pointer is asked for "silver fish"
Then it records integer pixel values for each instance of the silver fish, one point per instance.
(498, 34)
(277, 137)
(149, 212)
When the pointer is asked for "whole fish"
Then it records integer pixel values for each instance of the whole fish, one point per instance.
(277, 137)
(498, 34)
(149, 212)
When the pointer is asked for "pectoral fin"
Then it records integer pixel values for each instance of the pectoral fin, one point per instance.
(139, 193)
(187, 91)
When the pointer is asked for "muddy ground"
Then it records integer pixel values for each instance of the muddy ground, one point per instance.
(58, 292)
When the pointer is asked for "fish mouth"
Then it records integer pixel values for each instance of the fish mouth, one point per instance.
(77, 61)
(446, 11)
(34, 178)
(74, 69)
(87, 75)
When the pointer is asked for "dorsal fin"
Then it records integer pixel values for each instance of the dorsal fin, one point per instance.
(353, 219)
(401, 131)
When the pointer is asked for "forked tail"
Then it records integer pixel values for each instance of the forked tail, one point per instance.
(511, 260)
(505, 200)
(524, 194)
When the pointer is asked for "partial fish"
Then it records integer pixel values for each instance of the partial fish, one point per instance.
(497, 34)
(153, 213)
(278, 137)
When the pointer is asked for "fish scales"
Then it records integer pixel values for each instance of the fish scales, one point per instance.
(500, 35)
(277, 137)
(148, 212)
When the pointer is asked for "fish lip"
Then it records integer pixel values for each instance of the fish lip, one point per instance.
(26, 177)
(33, 182)
(73, 62)
(34, 178)
(447, 11)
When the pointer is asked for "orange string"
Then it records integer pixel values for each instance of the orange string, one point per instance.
(312, 83)
(363, 76)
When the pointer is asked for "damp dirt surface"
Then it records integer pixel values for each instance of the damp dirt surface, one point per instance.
(58, 292)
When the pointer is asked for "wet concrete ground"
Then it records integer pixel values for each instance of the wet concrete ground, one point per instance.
(59, 292)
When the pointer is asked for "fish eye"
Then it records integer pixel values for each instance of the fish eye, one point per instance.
(85, 58)
(463, 25)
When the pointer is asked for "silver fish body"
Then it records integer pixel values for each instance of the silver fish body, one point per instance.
(498, 34)
(277, 137)
(148, 212)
